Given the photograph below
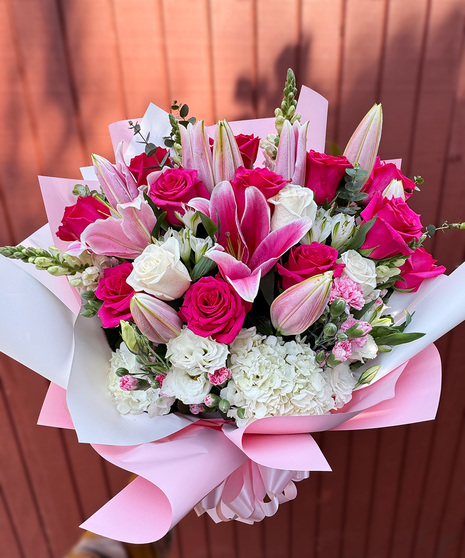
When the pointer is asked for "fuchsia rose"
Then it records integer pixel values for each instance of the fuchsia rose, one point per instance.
(116, 295)
(380, 178)
(417, 268)
(248, 146)
(77, 217)
(307, 260)
(268, 182)
(141, 165)
(213, 308)
(323, 174)
(173, 187)
(396, 225)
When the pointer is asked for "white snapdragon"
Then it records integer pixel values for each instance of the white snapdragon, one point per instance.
(291, 203)
(160, 272)
(194, 354)
(359, 269)
(88, 279)
(342, 228)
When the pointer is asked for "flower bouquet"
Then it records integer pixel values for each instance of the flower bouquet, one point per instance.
(219, 293)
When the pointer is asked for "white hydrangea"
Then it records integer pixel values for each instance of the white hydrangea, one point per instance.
(271, 377)
(193, 353)
(131, 402)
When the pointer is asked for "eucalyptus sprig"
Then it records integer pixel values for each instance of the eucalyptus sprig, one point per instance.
(55, 262)
(150, 148)
(178, 117)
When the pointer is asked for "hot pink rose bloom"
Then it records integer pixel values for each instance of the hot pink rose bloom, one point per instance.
(116, 295)
(380, 178)
(307, 260)
(268, 182)
(173, 187)
(248, 146)
(323, 174)
(212, 307)
(396, 225)
(417, 268)
(77, 217)
(141, 165)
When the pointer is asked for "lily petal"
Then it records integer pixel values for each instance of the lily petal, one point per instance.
(226, 155)
(111, 180)
(301, 155)
(154, 318)
(121, 166)
(196, 152)
(255, 222)
(285, 158)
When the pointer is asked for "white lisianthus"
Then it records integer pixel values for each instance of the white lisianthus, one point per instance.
(129, 402)
(191, 387)
(321, 228)
(342, 382)
(359, 269)
(367, 352)
(160, 272)
(291, 203)
(191, 353)
(342, 227)
(275, 378)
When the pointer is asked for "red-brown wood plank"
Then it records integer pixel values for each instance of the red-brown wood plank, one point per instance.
(142, 54)
(278, 40)
(9, 536)
(233, 54)
(188, 44)
(303, 512)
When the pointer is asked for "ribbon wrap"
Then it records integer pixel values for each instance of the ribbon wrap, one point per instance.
(251, 493)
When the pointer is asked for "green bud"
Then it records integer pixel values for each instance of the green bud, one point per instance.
(88, 313)
(224, 405)
(57, 270)
(88, 295)
(330, 330)
(130, 337)
(337, 307)
(42, 261)
(142, 384)
(342, 336)
(320, 357)
(384, 348)
(120, 372)
(214, 400)
(241, 412)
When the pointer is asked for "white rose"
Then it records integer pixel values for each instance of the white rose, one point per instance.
(291, 203)
(342, 382)
(191, 352)
(321, 228)
(359, 269)
(160, 272)
(342, 229)
(189, 389)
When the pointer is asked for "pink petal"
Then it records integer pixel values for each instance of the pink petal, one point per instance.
(105, 236)
(285, 158)
(138, 221)
(247, 287)
(229, 267)
(202, 205)
(301, 156)
(255, 222)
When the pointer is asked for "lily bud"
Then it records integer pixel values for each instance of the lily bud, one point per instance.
(130, 337)
(298, 307)
(226, 155)
(154, 318)
(395, 189)
(113, 182)
(363, 145)
(196, 152)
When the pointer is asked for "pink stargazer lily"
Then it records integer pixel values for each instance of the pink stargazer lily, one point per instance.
(292, 151)
(364, 143)
(300, 306)
(125, 235)
(246, 248)
(117, 182)
(154, 318)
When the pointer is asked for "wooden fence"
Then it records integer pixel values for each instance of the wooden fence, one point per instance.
(68, 68)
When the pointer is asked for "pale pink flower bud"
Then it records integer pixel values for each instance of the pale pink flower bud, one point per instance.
(128, 383)
(154, 318)
(226, 155)
(118, 188)
(363, 145)
(196, 409)
(298, 307)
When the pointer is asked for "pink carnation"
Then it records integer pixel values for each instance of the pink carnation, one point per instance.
(219, 376)
(128, 383)
(342, 350)
(344, 287)
(196, 409)
(351, 321)
(160, 378)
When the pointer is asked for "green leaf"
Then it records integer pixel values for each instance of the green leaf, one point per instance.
(169, 142)
(208, 224)
(160, 224)
(357, 314)
(81, 190)
(367, 251)
(360, 236)
(398, 338)
(192, 120)
(351, 172)
(184, 111)
(201, 268)
(368, 375)
(430, 229)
